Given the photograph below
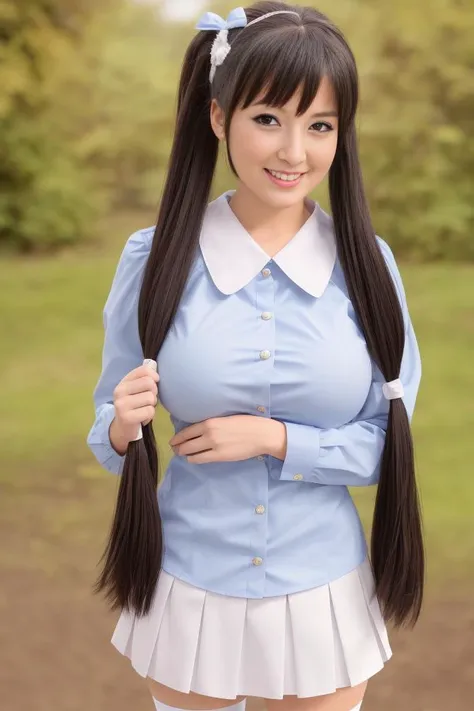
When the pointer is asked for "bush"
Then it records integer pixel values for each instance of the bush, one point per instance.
(87, 100)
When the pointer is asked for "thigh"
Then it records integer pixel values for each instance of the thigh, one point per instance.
(190, 701)
(343, 699)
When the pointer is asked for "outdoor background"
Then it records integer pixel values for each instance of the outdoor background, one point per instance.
(87, 100)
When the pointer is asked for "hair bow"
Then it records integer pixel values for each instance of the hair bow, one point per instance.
(213, 21)
(221, 47)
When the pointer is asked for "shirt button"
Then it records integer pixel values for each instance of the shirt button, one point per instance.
(267, 315)
(298, 477)
(264, 355)
(257, 561)
(266, 272)
(260, 408)
(260, 509)
(260, 457)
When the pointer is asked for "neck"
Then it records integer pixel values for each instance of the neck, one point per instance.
(271, 227)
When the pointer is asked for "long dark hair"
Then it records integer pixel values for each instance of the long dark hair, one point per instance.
(281, 54)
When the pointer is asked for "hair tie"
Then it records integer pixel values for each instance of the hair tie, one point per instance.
(150, 363)
(393, 390)
(236, 18)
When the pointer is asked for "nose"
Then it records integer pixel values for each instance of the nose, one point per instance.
(293, 149)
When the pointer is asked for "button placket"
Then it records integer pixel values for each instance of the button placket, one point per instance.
(265, 306)
(265, 343)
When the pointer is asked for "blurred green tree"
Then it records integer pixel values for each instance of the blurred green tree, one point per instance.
(45, 196)
(87, 101)
(416, 118)
(417, 121)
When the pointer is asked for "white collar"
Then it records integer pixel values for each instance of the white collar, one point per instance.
(233, 258)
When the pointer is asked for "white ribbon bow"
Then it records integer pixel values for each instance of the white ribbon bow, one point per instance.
(235, 18)
(213, 21)
(220, 46)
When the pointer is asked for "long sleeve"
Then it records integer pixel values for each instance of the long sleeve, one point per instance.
(351, 455)
(122, 350)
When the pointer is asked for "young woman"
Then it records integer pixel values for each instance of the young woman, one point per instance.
(287, 360)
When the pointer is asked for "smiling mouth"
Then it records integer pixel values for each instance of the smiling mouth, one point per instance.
(284, 175)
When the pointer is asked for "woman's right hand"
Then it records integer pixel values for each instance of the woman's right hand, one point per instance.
(135, 400)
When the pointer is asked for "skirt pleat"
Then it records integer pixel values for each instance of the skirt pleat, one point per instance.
(310, 619)
(366, 577)
(218, 625)
(359, 644)
(304, 644)
(263, 649)
(177, 644)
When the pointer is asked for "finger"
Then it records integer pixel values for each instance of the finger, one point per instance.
(140, 372)
(204, 457)
(186, 433)
(140, 385)
(133, 402)
(192, 446)
(142, 415)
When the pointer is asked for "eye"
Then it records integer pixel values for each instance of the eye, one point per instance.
(326, 127)
(265, 119)
(262, 119)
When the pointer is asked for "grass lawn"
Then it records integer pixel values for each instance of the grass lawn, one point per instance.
(51, 315)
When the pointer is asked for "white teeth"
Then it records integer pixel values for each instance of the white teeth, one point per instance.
(283, 176)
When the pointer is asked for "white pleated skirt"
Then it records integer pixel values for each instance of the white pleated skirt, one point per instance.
(305, 644)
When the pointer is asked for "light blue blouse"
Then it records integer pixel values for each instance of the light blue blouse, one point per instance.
(272, 338)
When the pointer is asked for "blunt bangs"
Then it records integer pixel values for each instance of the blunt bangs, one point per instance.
(278, 64)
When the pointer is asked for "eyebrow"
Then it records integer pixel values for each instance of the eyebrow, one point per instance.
(319, 114)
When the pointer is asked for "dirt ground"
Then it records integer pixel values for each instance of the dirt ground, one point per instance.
(55, 651)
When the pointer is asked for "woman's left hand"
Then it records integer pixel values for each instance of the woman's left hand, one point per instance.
(226, 439)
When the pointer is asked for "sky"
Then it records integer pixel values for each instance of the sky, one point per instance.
(180, 9)
(184, 9)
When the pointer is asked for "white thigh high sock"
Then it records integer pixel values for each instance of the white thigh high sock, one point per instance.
(236, 707)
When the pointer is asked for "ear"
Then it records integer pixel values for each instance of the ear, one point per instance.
(217, 120)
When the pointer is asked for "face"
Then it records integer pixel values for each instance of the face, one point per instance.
(300, 149)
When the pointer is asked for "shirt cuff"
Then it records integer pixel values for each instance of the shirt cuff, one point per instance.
(302, 452)
(99, 441)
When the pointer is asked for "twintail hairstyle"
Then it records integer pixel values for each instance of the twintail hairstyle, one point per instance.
(279, 56)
